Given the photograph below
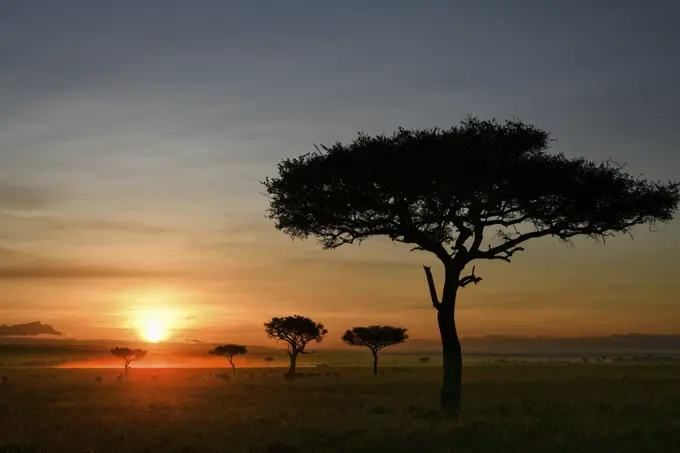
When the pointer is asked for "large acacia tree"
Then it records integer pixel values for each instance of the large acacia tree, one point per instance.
(297, 331)
(375, 338)
(477, 191)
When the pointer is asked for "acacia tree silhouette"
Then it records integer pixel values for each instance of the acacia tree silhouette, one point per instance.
(128, 356)
(478, 190)
(229, 351)
(375, 338)
(297, 331)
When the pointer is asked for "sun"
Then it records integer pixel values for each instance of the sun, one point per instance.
(155, 316)
(154, 330)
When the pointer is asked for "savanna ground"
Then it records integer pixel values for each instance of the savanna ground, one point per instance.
(530, 407)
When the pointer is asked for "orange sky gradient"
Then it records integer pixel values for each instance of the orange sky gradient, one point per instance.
(225, 292)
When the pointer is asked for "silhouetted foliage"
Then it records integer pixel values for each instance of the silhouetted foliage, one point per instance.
(424, 360)
(297, 331)
(269, 360)
(229, 351)
(375, 338)
(479, 190)
(128, 356)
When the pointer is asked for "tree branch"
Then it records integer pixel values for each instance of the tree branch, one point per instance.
(464, 233)
(433, 291)
(510, 244)
(478, 236)
(505, 250)
(506, 219)
(507, 254)
(472, 278)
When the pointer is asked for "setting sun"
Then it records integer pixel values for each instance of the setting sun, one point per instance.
(154, 330)
(153, 323)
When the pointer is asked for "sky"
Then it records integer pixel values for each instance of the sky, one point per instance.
(134, 136)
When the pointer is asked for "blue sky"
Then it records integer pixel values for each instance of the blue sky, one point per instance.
(134, 134)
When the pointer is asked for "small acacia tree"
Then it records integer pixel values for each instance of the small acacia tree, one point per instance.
(229, 351)
(297, 331)
(128, 356)
(476, 191)
(269, 360)
(375, 338)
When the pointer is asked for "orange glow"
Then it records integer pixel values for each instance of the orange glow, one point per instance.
(155, 318)
(154, 330)
(156, 360)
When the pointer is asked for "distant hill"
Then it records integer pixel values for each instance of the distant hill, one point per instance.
(614, 344)
(500, 344)
(102, 346)
(632, 343)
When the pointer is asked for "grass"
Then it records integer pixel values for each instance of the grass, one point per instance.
(510, 408)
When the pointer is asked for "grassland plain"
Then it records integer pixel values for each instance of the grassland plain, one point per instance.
(530, 407)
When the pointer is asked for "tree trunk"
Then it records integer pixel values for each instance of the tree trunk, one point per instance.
(451, 352)
(127, 367)
(233, 367)
(375, 362)
(291, 370)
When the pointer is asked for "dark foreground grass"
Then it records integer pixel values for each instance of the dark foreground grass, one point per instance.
(508, 408)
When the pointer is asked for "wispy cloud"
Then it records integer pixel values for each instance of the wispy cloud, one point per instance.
(10, 253)
(57, 223)
(60, 223)
(24, 198)
(29, 329)
(75, 272)
(358, 265)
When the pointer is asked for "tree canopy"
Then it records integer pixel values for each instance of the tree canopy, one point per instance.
(375, 337)
(297, 331)
(128, 355)
(229, 351)
(451, 191)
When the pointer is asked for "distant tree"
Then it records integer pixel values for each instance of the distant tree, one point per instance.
(375, 338)
(424, 360)
(269, 360)
(476, 191)
(229, 351)
(128, 356)
(297, 331)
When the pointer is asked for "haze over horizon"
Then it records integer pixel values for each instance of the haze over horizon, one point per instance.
(133, 137)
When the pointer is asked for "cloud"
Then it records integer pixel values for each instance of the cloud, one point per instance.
(358, 265)
(9, 253)
(55, 223)
(28, 329)
(20, 197)
(56, 271)
(104, 225)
